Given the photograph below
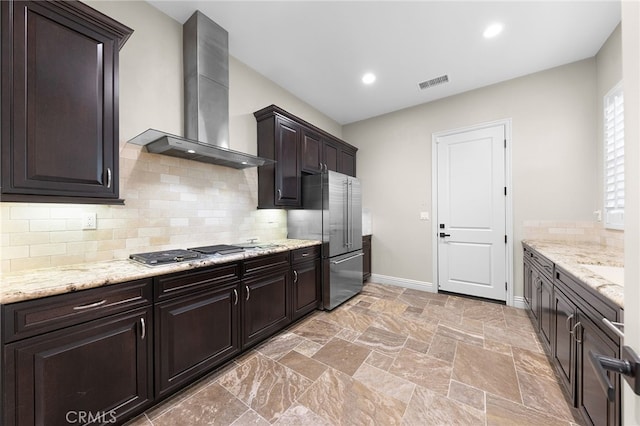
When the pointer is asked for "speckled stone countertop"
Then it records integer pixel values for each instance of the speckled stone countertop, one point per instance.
(571, 255)
(26, 285)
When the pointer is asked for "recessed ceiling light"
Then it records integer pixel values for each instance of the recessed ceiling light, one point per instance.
(368, 78)
(493, 30)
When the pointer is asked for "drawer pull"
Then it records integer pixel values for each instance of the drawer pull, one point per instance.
(90, 305)
(246, 287)
(614, 326)
(235, 296)
(295, 277)
(305, 254)
(144, 328)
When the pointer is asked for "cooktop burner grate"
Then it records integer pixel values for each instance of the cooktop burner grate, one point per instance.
(218, 249)
(166, 256)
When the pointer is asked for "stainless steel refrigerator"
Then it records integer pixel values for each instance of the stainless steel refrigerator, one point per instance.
(332, 212)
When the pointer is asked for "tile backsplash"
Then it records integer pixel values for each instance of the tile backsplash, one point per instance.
(169, 203)
(580, 231)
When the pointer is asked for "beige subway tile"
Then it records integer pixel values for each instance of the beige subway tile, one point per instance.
(111, 245)
(47, 249)
(5, 266)
(82, 247)
(28, 238)
(8, 225)
(30, 211)
(168, 178)
(151, 232)
(29, 263)
(38, 225)
(14, 252)
(65, 236)
(98, 234)
(67, 260)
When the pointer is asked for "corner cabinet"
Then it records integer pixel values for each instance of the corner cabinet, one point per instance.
(59, 110)
(298, 148)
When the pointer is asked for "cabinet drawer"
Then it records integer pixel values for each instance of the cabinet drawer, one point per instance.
(33, 317)
(181, 283)
(266, 263)
(591, 303)
(304, 254)
(543, 264)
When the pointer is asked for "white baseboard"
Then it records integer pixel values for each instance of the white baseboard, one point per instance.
(518, 302)
(402, 282)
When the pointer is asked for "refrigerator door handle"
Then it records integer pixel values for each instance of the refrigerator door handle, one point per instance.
(351, 211)
(337, 262)
(345, 213)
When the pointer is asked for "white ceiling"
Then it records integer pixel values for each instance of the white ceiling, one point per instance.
(319, 50)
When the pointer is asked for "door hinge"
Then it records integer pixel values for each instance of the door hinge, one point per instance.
(505, 191)
(505, 286)
(505, 143)
(505, 239)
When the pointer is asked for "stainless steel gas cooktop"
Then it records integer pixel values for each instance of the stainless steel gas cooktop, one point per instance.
(164, 257)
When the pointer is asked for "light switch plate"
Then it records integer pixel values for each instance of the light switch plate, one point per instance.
(424, 215)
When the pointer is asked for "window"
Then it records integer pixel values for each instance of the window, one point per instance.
(614, 158)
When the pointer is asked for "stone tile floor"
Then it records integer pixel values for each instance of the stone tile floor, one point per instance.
(388, 356)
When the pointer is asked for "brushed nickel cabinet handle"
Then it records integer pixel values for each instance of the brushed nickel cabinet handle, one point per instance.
(279, 194)
(90, 305)
(235, 296)
(246, 287)
(144, 328)
(574, 334)
(569, 318)
(108, 177)
(305, 254)
(295, 277)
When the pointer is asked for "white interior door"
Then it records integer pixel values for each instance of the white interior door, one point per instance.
(471, 209)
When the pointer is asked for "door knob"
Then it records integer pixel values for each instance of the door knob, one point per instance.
(442, 235)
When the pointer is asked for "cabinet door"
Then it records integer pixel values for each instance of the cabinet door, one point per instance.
(527, 284)
(62, 102)
(287, 179)
(265, 306)
(592, 401)
(311, 153)
(193, 334)
(546, 313)
(564, 345)
(536, 294)
(347, 163)
(331, 156)
(306, 288)
(102, 368)
(366, 260)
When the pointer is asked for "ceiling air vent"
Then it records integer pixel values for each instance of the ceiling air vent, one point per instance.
(434, 82)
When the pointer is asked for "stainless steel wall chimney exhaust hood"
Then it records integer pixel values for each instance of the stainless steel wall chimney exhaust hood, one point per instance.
(206, 101)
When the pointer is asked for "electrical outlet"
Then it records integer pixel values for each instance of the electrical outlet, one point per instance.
(89, 221)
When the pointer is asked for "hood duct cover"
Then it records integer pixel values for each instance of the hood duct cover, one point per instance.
(206, 100)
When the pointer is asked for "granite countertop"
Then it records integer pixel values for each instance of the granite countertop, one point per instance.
(33, 284)
(570, 256)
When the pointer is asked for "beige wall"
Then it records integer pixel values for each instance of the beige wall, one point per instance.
(169, 202)
(609, 73)
(553, 160)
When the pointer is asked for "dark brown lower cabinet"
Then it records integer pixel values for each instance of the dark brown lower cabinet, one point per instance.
(266, 300)
(592, 401)
(568, 316)
(366, 260)
(546, 313)
(306, 291)
(100, 370)
(193, 334)
(564, 345)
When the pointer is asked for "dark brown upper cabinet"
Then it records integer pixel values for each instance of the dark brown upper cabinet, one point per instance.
(298, 148)
(59, 111)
